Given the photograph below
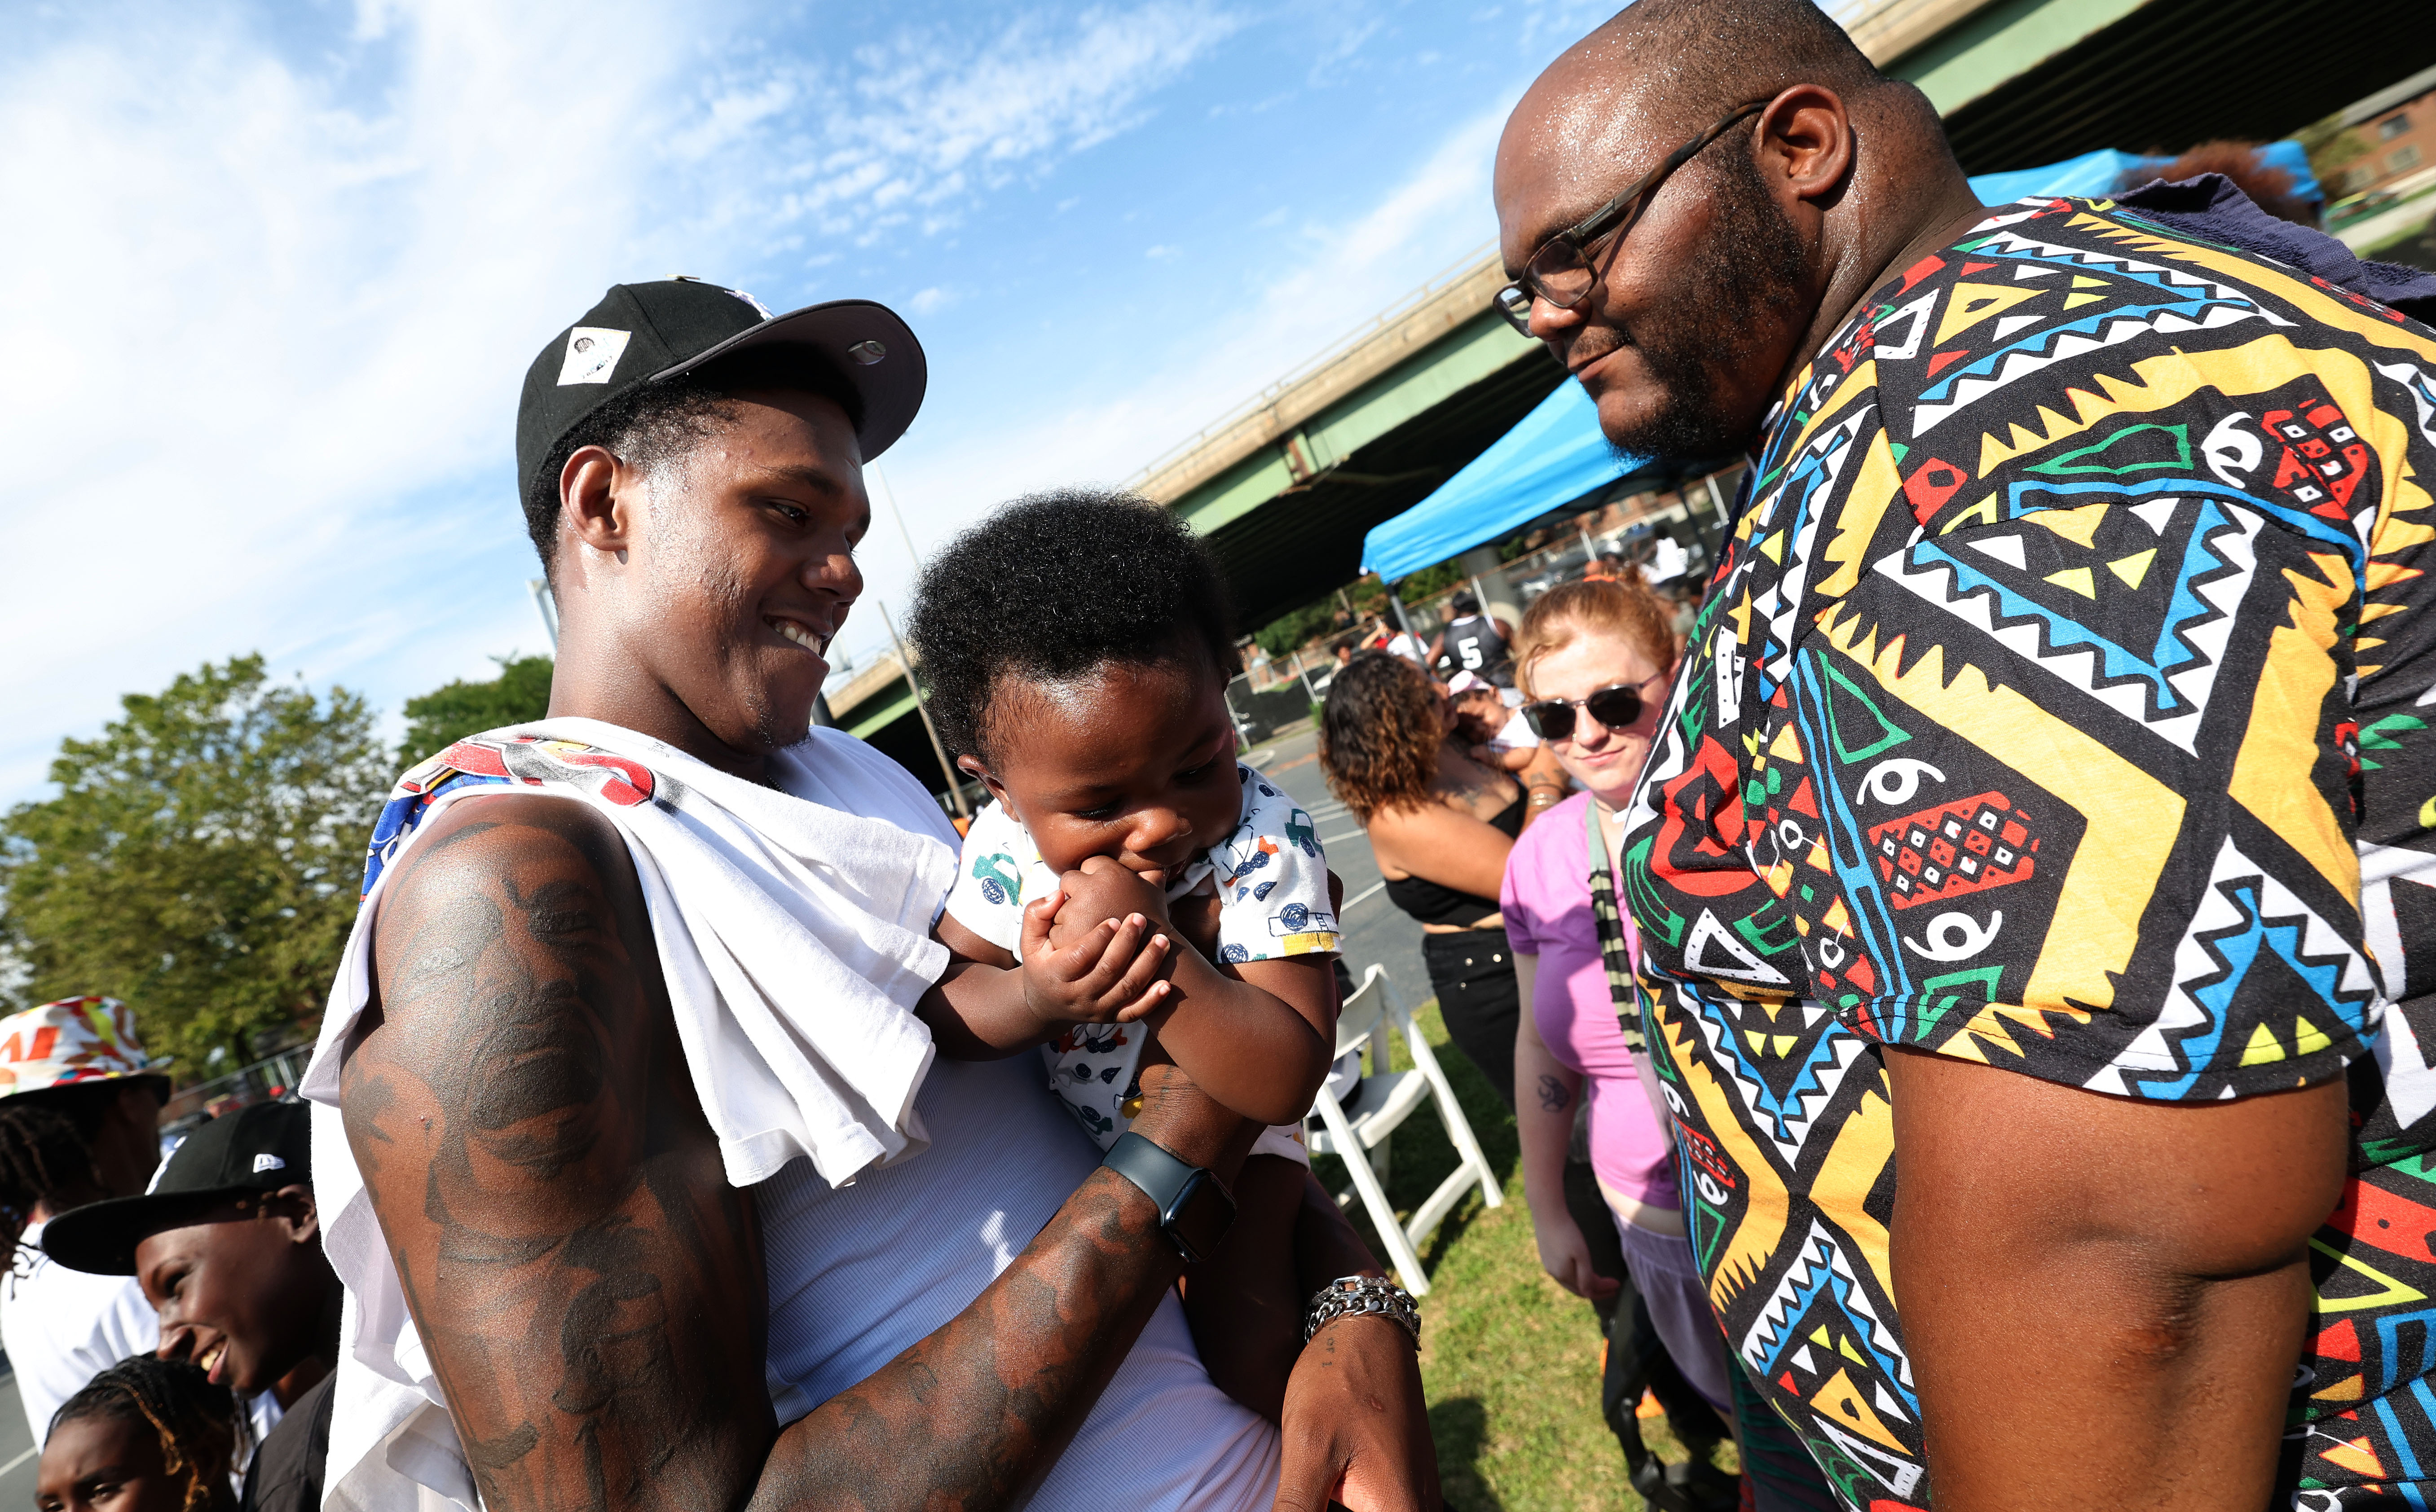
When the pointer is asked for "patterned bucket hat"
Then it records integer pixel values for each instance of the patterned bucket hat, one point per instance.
(75, 1039)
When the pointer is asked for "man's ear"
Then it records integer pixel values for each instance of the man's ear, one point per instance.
(293, 1206)
(1805, 141)
(594, 505)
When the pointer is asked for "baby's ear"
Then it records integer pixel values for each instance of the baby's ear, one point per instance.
(974, 767)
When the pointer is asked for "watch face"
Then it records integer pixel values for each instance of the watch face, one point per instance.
(1200, 1216)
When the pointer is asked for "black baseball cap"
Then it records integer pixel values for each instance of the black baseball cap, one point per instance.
(252, 1151)
(645, 333)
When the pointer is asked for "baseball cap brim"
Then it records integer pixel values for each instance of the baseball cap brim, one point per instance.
(870, 347)
(100, 1237)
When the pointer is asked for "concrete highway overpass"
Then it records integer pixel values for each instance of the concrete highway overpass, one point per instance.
(1286, 484)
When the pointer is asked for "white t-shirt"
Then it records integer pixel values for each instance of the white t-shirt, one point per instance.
(62, 1328)
(1517, 735)
(1271, 877)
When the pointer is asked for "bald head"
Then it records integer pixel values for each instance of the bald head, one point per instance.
(1707, 285)
(1660, 70)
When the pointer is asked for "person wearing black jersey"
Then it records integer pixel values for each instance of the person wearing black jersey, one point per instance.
(1480, 644)
(1440, 824)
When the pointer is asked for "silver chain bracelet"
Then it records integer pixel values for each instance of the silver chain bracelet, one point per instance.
(1350, 1295)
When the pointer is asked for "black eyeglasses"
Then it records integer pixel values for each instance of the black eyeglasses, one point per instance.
(1617, 706)
(1560, 271)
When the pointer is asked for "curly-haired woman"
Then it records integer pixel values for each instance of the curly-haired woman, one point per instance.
(1440, 824)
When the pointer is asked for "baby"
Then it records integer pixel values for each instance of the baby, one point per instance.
(1130, 882)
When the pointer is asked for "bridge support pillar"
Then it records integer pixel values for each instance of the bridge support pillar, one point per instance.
(1498, 598)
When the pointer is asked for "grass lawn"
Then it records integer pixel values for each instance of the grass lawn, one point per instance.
(1509, 1358)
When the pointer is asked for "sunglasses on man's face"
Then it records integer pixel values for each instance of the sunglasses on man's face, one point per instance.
(1617, 707)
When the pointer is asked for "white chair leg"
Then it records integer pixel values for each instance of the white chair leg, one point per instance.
(1374, 1196)
(1451, 1112)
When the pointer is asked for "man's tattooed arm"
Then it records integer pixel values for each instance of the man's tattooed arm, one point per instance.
(588, 1286)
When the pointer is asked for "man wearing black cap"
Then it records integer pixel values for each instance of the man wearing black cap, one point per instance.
(551, 1055)
(1480, 644)
(228, 1248)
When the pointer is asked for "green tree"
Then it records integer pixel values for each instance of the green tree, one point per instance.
(447, 714)
(2331, 148)
(202, 859)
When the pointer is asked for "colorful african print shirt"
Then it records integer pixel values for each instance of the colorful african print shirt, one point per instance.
(1271, 877)
(2060, 703)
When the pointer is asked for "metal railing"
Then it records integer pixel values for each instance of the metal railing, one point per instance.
(272, 1076)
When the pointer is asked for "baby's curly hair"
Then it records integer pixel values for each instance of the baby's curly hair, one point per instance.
(1055, 584)
(193, 1419)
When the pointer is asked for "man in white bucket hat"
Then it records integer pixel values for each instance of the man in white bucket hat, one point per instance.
(80, 1120)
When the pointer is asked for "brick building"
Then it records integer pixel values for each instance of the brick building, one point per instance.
(2399, 127)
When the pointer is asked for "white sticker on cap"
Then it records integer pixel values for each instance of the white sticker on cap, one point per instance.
(592, 355)
(268, 1162)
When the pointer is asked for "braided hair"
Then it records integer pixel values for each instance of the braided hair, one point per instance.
(194, 1419)
(41, 1151)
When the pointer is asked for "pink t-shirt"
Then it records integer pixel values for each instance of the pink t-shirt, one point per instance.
(1546, 896)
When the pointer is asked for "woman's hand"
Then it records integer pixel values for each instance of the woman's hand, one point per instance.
(1566, 1256)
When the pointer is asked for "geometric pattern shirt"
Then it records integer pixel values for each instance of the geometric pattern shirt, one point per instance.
(2061, 702)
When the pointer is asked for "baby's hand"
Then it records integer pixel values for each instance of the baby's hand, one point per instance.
(1111, 971)
(1102, 888)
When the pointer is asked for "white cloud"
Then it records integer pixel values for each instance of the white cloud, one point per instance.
(907, 130)
(269, 307)
(275, 321)
(1345, 273)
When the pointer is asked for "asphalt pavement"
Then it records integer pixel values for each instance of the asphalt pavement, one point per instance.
(1375, 930)
(16, 1450)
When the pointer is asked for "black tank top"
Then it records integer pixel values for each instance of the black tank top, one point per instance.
(1431, 902)
(1477, 646)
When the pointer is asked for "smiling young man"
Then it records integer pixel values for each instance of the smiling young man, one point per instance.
(227, 1247)
(634, 1157)
(2033, 870)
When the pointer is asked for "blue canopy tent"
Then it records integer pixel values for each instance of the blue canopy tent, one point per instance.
(1555, 454)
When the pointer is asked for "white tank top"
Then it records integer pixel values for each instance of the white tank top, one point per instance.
(860, 1274)
(856, 1275)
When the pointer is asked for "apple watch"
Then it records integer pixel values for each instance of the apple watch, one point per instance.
(1194, 1210)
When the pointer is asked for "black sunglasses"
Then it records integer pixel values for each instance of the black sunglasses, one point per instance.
(1560, 271)
(1617, 707)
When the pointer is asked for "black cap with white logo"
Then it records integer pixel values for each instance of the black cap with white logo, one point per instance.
(642, 333)
(237, 1155)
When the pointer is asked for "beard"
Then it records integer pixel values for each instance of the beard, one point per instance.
(1748, 279)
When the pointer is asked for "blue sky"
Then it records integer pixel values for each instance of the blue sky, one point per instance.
(275, 270)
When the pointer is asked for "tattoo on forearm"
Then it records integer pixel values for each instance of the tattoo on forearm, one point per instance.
(1554, 1095)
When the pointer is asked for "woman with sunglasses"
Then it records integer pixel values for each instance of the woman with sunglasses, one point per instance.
(1593, 660)
(1440, 824)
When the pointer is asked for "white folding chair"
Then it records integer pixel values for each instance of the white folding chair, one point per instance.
(1388, 1098)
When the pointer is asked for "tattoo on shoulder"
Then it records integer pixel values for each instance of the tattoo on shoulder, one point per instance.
(586, 1281)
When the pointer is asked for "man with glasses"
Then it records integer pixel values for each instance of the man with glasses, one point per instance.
(2042, 811)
